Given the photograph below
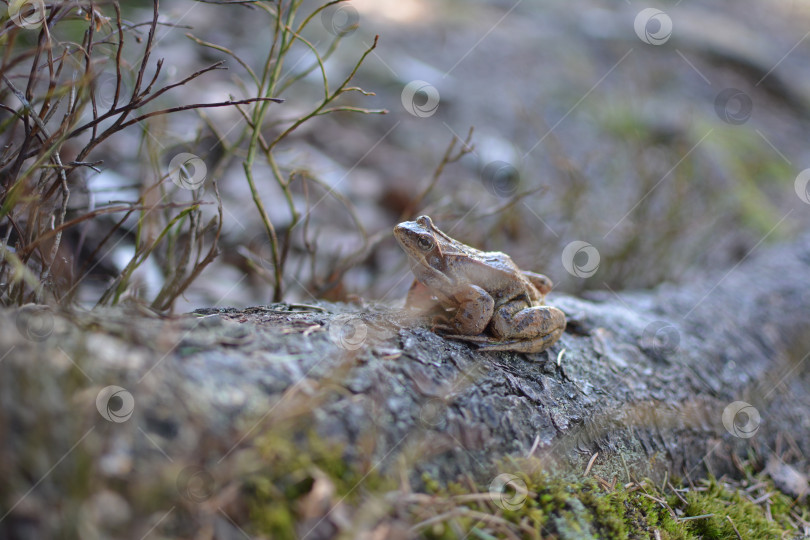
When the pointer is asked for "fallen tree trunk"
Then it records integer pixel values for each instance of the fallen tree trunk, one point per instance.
(679, 380)
(675, 379)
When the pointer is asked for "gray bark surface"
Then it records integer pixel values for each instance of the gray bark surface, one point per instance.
(643, 378)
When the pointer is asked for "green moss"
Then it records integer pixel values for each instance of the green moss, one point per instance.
(431, 485)
(554, 507)
(607, 509)
(722, 504)
(295, 462)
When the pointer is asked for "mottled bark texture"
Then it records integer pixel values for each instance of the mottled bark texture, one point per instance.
(643, 378)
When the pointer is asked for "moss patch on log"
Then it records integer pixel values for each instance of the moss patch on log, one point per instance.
(314, 494)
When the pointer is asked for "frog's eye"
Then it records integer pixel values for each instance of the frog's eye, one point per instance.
(425, 244)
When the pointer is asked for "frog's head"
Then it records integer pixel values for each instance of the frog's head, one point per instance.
(420, 241)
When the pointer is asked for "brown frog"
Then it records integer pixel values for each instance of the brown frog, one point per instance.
(497, 305)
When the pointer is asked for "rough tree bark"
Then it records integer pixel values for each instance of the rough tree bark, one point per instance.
(643, 378)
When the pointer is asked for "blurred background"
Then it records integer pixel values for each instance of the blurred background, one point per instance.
(616, 144)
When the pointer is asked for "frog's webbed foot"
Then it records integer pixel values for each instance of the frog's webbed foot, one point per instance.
(491, 344)
(439, 325)
(480, 339)
(535, 345)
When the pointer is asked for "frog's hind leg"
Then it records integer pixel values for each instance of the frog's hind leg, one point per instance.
(475, 308)
(516, 321)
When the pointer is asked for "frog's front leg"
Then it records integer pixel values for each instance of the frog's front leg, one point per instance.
(526, 329)
(420, 298)
(475, 308)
